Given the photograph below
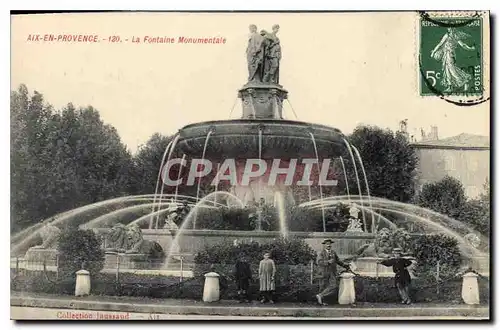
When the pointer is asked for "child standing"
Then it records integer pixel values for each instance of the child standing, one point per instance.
(243, 276)
(402, 278)
(267, 271)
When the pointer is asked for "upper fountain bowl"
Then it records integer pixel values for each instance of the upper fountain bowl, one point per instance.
(242, 138)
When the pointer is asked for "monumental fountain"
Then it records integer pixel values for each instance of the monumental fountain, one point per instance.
(260, 159)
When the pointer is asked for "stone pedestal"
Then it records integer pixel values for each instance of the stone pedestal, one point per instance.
(125, 260)
(347, 294)
(470, 289)
(368, 266)
(262, 101)
(211, 290)
(82, 286)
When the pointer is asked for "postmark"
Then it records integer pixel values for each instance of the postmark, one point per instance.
(451, 58)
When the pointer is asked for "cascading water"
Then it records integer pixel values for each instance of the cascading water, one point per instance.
(319, 185)
(199, 179)
(179, 177)
(161, 170)
(159, 178)
(345, 178)
(187, 221)
(281, 210)
(360, 192)
(360, 160)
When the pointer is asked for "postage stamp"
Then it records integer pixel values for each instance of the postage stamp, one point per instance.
(137, 193)
(451, 59)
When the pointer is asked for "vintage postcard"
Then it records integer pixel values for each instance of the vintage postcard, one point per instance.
(246, 165)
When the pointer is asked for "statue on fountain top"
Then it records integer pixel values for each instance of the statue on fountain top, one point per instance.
(263, 55)
(255, 55)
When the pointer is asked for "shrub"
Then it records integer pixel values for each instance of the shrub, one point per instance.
(290, 256)
(336, 219)
(79, 248)
(446, 196)
(289, 251)
(476, 213)
(429, 249)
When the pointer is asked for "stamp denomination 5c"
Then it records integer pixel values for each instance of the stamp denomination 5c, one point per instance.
(451, 59)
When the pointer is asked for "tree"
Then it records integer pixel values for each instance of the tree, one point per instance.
(146, 164)
(477, 212)
(61, 160)
(389, 162)
(31, 122)
(446, 196)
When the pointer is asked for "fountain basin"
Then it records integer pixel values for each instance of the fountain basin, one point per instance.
(240, 139)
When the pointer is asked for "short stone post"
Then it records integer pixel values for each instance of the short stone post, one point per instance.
(211, 290)
(347, 295)
(470, 288)
(82, 287)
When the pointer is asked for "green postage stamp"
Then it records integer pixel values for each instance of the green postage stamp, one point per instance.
(451, 58)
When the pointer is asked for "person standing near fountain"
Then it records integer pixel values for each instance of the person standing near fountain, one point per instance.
(327, 262)
(243, 277)
(402, 278)
(267, 272)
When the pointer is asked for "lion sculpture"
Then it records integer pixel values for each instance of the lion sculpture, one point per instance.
(129, 240)
(137, 244)
(116, 239)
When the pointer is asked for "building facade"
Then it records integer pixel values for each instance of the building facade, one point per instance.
(465, 157)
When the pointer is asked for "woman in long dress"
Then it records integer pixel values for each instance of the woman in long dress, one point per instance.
(267, 272)
(453, 76)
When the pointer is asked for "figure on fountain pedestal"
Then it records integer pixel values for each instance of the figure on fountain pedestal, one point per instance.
(354, 224)
(263, 55)
(255, 55)
(272, 56)
(170, 222)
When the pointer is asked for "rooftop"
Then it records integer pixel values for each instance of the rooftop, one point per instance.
(463, 140)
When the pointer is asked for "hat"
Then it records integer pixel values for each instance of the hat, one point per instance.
(396, 250)
(327, 241)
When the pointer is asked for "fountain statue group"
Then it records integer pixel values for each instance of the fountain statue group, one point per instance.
(263, 55)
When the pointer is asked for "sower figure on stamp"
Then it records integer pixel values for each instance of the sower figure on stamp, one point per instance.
(267, 272)
(243, 277)
(327, 262)
(402, 278)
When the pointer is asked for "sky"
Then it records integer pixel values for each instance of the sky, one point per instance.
(341, 70)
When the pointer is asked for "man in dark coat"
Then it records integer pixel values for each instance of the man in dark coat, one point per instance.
(402, 278)
(327, 268)
(243, 277)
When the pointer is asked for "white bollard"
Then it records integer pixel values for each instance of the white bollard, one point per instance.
(211, 290)
(470, 288)
(347, 295)
(82, 287)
